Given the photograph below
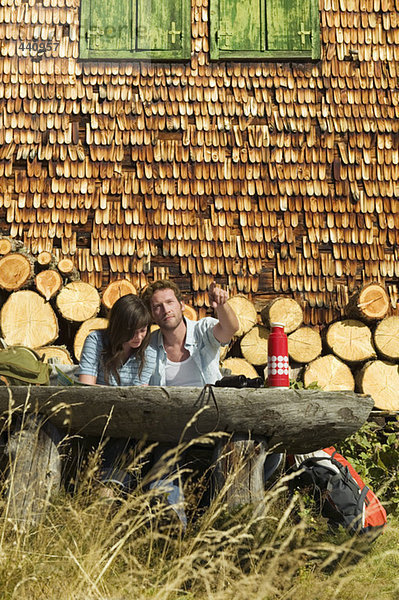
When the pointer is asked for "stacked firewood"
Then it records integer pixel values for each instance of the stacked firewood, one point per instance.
(45, 305)
(358, 352)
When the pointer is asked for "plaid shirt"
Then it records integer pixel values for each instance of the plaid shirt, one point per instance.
(91, 363)
(202, 345)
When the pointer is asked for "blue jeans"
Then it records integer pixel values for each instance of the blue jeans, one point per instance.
(169, 482)
(116, 455)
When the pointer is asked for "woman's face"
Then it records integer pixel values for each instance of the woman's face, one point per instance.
(137, 339)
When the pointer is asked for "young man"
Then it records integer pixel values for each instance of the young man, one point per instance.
(187, 354)
(187, 351)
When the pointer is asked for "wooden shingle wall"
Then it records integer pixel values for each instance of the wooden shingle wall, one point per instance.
(274, 178)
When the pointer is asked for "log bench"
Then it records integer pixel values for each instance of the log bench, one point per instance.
(250, 421)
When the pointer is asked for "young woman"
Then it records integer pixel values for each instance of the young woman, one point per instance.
(119, 355)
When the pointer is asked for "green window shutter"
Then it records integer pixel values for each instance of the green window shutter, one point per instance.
(106, 28)
(289, 25)
(160, 25)
(264, 29)
(139, 29)
(240, 25)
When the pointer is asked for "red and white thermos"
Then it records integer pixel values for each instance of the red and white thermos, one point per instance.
(278, 368)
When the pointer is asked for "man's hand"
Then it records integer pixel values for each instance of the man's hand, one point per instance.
(217, 296)
(228, 323)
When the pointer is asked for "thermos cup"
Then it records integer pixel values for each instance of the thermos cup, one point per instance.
(278, 368)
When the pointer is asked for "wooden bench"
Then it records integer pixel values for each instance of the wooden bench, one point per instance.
(250, 422)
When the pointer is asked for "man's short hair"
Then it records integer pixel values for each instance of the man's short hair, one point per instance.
(160, 284)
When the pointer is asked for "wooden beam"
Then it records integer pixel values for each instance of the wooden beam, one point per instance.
(297, 421)
(34, 470)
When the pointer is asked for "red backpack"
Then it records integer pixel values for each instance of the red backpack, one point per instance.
(343, 496)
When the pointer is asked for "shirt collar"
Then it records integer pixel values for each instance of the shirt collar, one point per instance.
(190, 326)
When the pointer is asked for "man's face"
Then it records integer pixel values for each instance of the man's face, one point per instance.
(166, 309)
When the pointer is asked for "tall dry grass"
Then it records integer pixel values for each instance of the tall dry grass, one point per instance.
(86, 548)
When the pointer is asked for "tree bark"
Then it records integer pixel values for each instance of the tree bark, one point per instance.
(238, 471)
(298, 421)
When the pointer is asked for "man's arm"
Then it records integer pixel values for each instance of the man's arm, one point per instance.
(228, 321)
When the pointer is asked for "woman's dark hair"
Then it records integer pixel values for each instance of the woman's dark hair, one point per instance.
(128, 314)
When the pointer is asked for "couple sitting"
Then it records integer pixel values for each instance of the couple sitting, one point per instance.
(180, 353)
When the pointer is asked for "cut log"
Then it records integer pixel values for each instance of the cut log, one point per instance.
(5, 246)
(239, 366)
(329, 374)
(34, 473)
(59, 354)
(27, 320)
(8, 244)
(386, 337)
(48, 283)
(239, 471)
(369, 304)
(190, 312)
(283, 310)
(246, 313)
(78, 301)
(350, 340)
(15, 271)
(44, 259)
(83, 332)
(115, 290)
(254, 345)
(304, 345)
(67, 268)
(297, 420)
(224, 351)
(380, 380)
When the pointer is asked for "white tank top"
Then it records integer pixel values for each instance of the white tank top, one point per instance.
(184, 373)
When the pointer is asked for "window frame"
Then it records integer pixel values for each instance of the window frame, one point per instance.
(310, 54)
(87, 53)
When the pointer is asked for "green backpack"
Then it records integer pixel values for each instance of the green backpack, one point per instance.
(20, 365)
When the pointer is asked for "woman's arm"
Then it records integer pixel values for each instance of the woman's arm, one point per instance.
(90, 359)
(88, 379)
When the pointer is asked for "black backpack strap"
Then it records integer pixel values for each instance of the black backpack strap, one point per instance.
(204, 399)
